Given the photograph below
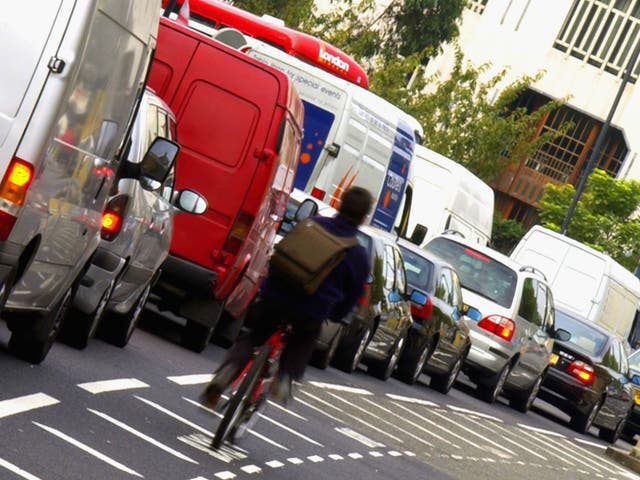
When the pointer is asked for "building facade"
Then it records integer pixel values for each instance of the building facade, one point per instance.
(584, 48)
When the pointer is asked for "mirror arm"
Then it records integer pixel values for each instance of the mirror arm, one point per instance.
(129, 170)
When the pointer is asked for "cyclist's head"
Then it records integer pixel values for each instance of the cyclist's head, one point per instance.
(355, 204)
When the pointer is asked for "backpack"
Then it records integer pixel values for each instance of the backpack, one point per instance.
(306, 255)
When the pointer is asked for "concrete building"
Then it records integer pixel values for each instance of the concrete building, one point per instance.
(584, 46)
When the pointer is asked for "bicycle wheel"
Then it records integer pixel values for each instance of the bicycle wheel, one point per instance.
(241, 397)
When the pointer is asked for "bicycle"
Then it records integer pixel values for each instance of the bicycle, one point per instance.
(249, 390)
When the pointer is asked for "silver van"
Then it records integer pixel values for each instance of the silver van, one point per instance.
(136, 230)
(73, 74)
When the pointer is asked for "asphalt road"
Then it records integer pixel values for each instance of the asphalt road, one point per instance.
(110, 413)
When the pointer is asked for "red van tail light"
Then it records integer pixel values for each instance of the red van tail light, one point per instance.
(498, 325)
(16, 181)
(7, 221)
(582, 371)
(112, 217)
(422, 312)
(317, 193)
(364, 298)
(238, 233)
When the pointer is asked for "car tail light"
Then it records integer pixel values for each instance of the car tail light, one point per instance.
(498, 325)
(317, 193)
(364, 298)
(423, 312)
(112, 217)
(16, 181)
(238, 233)
(582, 371)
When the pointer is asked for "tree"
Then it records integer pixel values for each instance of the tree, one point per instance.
(604, 217)
(292, 13)
(505, 234)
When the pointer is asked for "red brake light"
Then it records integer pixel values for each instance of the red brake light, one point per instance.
(582, 371)
(422, 312)
(111, 222)
(7, 221)
(317, 193)
(478, 255)
(112, 217)
(364, 298)
(501, 326)
(16, 181)
(238, 233)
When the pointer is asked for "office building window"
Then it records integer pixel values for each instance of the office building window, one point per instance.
(602, 33)
(477, 5)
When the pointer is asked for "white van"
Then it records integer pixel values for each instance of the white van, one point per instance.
(443, 195)
(73, 76)
(583, 280)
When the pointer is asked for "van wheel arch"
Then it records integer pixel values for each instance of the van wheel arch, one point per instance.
(27, 256)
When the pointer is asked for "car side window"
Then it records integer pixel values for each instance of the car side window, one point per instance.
(401, 280)
(550, 321)
(528, 307)
(611, 358)
(389, 268)
(443, 287)
(456, 290)
(624, 361)
(541, 305)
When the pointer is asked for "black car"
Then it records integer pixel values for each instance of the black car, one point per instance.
(587, 378)
(438, 341)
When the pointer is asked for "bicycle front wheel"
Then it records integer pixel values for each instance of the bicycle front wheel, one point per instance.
(241, 398)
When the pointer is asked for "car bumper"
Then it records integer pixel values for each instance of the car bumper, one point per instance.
(487, 355)
(104, 269)
(566, 393)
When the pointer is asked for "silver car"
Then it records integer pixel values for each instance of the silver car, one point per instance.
(137, 226)
(512, 329)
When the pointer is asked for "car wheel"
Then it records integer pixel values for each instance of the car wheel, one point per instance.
(523, 401)
(79, 327)
(581, 422)
(322, 359)
(384, 369)
(117, 328)
(349, 359)
(34, 342)
(196, 336)
(411, 365)
(444, 383)
(610, 436)
(489, 392)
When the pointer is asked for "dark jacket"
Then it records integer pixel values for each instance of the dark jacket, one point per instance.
(339, 292)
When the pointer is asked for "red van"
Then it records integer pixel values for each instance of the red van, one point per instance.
(240, 126)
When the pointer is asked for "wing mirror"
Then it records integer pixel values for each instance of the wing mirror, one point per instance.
(190, 202)
(472, 312)
(419, 234)
(418, 298)
(157, 162)
(308, 208)
(394, 296)
(562, 335)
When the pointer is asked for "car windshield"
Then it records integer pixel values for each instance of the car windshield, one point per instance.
(478, 273)
(583, 335)
(418, 269)
(634, 360)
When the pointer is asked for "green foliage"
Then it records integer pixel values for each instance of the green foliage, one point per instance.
(293, 13)
(604, 217)
(505, 234)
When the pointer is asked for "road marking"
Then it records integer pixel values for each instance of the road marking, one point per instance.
(142, 436)
(274, 464)
(543, 447)
(315, 459)
(341, 388)
(473, 412)
(112, 385)
(191, 379)
(417, 401)
(358, 437)
(411, 454)
(290, 412)
(252, 432)
(541, 430)
(291, 430)
(355, 456)
(225, 475)
(588, 456)
(335, 456)
(376, 454)
(295, 461)
(203, 443)
(394, 453)
(250, 469)
(175, 416)
(25, 403)
(89, 450)
(591, 444)
(17, 470)
(389, 412)
(357, 419)
(421, 428)
(313, 407)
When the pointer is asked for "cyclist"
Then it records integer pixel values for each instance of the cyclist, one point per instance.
(278, 304)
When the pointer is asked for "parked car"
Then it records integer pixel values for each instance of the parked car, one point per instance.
(512, 339)
(632, 425)
(438, 340)
(588, 377)
(137, 226)
(378, 327)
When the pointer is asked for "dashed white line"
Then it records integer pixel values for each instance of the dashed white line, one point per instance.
(319, 410)
(225, 475)
(335, 456)
(591, 444)
(291, 430)
(376, 454)
(409, 454)
(417, 401)
(394, 453)
(274, 464)
(142, 436)
(17, 470)
(315, 459)
(540, 430)
(355, 455)
(295, 461)
(290, 412)
(251, 469)
(25, 403)
(175, 416)
(341, 388)
(114, 385)
(191, 379)
(474, 413)
(89, 450)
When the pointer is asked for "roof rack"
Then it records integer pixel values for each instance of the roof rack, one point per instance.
(529, 268)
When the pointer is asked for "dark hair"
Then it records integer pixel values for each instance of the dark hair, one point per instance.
(355, 204)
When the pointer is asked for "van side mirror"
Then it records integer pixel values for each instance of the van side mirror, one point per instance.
(562, 335)
(190, 202)
(308, 208)
(472, 312)
(418, 298)
(419, 234)
(157, 162)
(394, 296)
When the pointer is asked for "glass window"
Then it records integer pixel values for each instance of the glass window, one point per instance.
(528, 303)
(610, 359)
(418, 269)
(550, 320)
(583, 335)
(443, 288)
(541, 305)
(456, 292)
(401, 282)
(389, 268)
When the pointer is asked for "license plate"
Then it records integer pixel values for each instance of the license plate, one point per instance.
(554, 359)
(636, 397)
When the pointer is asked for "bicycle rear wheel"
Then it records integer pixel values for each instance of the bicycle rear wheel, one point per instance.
(238, 403)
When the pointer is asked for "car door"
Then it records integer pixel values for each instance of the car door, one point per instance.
(389, 315)
(404, 306)
(617, 392)
(533, 317)
(445, 314)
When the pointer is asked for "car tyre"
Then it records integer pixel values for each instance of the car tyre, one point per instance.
(322, 359)
(384, 369)
(196, 336)
(117, 328)
(581, 422)
(444, 383)
(523, 401)
(411, 364)
(489, 392)
(79, 327)
(349, 358)
(610, 436)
